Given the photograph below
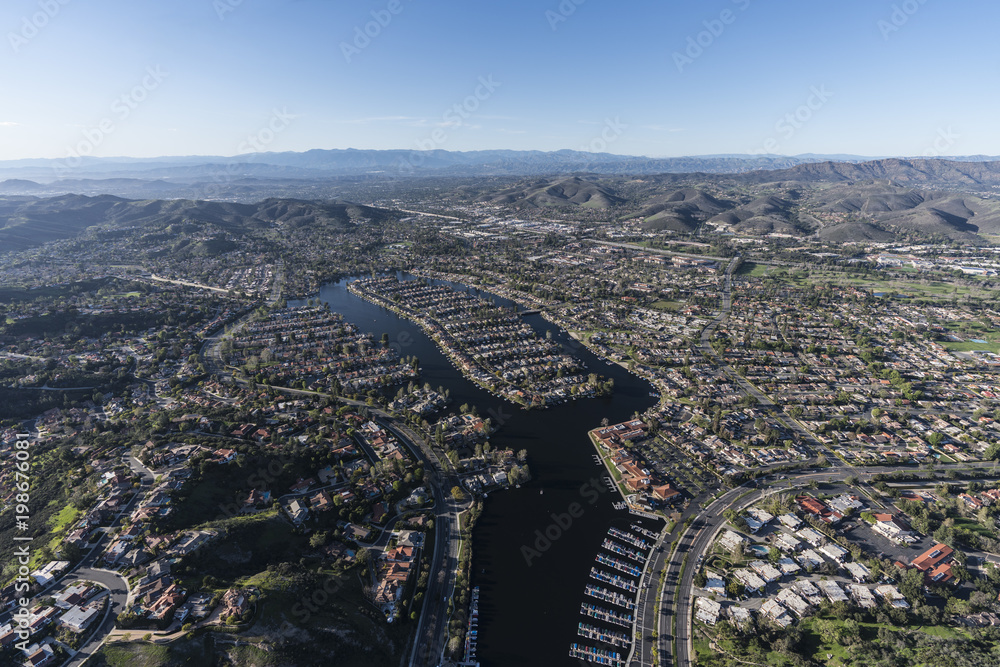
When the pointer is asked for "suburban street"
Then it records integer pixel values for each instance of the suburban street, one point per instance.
(116, 584)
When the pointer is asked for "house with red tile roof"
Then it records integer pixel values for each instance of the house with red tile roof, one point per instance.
(933, 557)
(818, 509)
(666, 493)
(941, 574)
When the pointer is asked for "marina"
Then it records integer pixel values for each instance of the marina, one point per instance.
(472, 636)
(608, 636)
(614, 580)
(644, 531)
(610, 596)
(598, 655)
(614, 547)
(628, 538)
(607, 615)
(619, 565)
(617, 639)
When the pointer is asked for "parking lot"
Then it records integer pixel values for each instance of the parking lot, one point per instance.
(859, 532)
(674, 466)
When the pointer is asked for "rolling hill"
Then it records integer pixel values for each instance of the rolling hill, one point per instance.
(681, 210)
(923, 172)
(571, 191)
(27, 222)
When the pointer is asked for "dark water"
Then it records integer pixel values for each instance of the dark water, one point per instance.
(528, 610)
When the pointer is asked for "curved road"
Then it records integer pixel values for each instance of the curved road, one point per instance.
(116, 584)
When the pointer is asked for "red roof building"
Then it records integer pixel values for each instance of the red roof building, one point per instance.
(933, 557)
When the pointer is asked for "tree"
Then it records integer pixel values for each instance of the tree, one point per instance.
(457, 494)
(911, 584)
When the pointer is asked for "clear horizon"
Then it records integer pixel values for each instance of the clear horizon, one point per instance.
(232, 77)
(472, 150)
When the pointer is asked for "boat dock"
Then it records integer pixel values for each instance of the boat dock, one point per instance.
(614, 579)
(622, 550)
(607, 636)
(619, 565)
(599, 655)
(610, 596)
(628, 538)
(472, 635)
(643, 531)
(606, 615)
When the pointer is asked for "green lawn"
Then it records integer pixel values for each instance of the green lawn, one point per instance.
(66, 517)
(942, 631)
(755, 270)
(922, 285)
(975, 527)
(133, 654)
(665, 305)
(971, 347)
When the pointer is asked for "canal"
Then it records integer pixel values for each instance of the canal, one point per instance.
(531, 556)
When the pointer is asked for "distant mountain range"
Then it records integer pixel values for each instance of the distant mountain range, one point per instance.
(838, 200)
(315, 164)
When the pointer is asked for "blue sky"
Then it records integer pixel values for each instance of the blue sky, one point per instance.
(657, 78)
